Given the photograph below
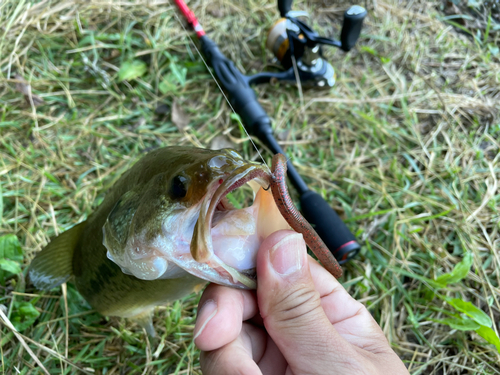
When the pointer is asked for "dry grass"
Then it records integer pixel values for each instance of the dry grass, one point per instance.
(406, 145)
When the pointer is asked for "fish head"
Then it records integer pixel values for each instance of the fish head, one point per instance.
(180, 219)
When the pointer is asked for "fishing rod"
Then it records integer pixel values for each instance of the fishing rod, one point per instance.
(299, 49)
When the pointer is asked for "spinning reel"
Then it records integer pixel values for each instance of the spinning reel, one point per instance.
(292, 41)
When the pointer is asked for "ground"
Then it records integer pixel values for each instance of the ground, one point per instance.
(405, 147)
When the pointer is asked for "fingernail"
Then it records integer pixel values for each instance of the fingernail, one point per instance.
(206, 313)
(286, 255)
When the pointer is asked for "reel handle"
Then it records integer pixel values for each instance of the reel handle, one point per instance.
(353, 22)
(284, 6)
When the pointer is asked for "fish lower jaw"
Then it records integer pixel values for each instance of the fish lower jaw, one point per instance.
(235, 239)
(236, 236)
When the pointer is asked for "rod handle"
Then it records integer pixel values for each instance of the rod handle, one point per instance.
(329, 226)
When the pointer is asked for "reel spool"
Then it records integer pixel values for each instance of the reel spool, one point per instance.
(278, 43)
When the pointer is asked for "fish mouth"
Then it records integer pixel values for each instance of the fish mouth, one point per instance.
(216, 204)
(211, 240)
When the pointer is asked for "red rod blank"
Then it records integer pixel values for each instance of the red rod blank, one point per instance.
(190, 17)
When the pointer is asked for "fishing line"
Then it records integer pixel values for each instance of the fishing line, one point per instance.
(238, 93)
(299, 85)
(220, 88)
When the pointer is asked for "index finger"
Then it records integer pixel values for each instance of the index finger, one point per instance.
(221, 313)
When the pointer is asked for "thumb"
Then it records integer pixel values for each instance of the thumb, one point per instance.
(291, 306)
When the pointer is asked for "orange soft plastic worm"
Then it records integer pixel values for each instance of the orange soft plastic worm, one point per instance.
(296, 220)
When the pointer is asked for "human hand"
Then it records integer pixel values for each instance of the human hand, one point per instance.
(300, 320)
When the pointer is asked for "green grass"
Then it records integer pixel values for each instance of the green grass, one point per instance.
(405, 146)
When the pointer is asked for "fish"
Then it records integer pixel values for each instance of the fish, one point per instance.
(164, 229)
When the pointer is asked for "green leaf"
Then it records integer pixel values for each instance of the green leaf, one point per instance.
(167, 86)
(24, 315)
(1, 204)
(432, 217)
(173, 79)
(10, 248)
(370, 50)
(11, 254)
(423, 279)
(179, 74)
(473, 3)
(470, 310)
(51, 177)
(132, 70)
(10, 266)
(493, 49)
(235, 117)
(462, 324)
(489, 335)
(459, 272)
(373, 52)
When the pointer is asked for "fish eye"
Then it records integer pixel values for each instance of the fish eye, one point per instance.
(178, 189)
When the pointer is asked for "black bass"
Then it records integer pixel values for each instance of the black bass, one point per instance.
(163, 230)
